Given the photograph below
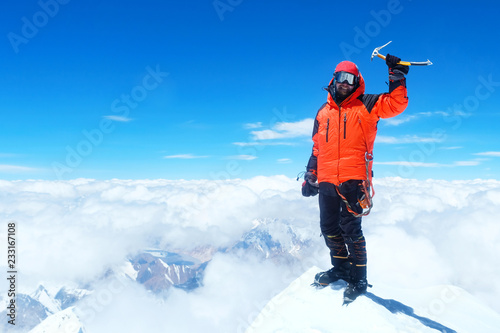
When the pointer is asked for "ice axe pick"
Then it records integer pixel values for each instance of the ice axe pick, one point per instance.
(404, 63)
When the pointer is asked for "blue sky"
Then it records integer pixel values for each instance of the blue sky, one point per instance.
(228, 89)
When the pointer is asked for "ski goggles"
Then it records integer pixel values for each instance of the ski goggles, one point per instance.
(345, 77)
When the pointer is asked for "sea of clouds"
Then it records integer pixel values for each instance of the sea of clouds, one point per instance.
(419, 234)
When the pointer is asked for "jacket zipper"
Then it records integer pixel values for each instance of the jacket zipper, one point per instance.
(327, 128)
(345, 124)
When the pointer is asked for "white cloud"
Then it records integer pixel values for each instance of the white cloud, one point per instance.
(286, 130)
(73, 231)
(443, 215)
(406, 139)
(242, 157)
(284, 160)
(260, 143)
(411, 164)
(118, 118)
(450, 148)
(396, 121)
(85, 226)
(7, 168)
(405, 118)
(9, 155)
(268, 135)
(193, 125)
(231, 297)
(184, 156)
(430, 165)
(466, 163)
(253, 125)
(489, 153)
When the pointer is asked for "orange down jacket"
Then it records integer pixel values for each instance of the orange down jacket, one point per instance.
(344, 133)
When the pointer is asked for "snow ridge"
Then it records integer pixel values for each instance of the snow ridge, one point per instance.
(303, 308)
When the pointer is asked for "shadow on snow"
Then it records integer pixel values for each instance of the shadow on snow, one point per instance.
(398, 307)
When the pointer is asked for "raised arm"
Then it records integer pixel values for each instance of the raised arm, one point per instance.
(395, 102)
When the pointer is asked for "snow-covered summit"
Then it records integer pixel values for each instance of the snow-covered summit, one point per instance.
(63, 321)
(302, 308)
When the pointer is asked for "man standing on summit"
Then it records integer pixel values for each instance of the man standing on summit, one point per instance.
(340, 166)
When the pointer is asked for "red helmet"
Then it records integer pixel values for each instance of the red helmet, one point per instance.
(347, 66)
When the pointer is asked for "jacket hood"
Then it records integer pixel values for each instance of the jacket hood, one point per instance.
(347, 66)
(360, 90)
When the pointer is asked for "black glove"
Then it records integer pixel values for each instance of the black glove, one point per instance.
(396, 72)
(310, 186)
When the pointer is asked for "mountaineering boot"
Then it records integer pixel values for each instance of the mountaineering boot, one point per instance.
(357, 285)
(354, 289)
(339, 272)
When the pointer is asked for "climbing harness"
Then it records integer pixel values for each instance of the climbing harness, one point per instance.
(367, 192)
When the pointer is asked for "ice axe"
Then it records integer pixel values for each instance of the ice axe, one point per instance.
(404, 63)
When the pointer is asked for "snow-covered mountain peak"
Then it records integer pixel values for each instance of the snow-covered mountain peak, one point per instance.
(46, 299)
(63, 321)
(302, 308)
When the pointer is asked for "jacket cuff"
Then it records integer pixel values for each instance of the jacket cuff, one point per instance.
(393, 84)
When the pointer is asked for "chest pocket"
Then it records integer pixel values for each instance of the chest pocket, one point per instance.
(351, 127)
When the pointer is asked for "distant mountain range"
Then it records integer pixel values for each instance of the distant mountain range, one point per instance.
(157, 270)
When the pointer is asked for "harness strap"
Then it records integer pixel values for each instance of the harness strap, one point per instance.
(365, 201)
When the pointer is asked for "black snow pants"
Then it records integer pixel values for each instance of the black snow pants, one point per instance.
(341, 229)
